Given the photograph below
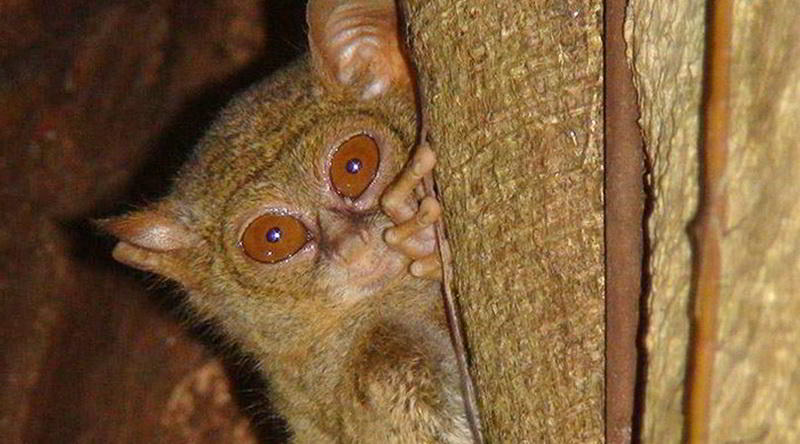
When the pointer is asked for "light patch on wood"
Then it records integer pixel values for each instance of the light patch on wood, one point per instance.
(666, 46)
(755, 396)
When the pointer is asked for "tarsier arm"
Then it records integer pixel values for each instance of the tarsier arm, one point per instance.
(419, 233)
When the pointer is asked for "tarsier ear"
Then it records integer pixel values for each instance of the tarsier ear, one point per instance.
(356, 44)
(151, 240)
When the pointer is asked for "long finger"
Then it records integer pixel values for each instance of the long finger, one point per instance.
(396, 197)
(429, 212)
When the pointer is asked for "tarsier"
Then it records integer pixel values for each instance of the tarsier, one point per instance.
(296, 227)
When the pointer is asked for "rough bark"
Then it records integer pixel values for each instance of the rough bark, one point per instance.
(97, 102)
(512, 95)
(755, 394)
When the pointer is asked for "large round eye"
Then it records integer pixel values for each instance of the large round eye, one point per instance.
(354, 165)
(273, 237)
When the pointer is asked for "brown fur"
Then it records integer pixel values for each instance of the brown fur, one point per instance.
(348, 361)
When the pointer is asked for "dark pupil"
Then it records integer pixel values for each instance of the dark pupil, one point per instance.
(353, 166)
(274, 235)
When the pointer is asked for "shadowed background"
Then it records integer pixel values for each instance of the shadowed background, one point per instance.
(99, 103)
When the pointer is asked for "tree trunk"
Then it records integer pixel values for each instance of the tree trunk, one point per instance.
(755, 395)
(512, 98)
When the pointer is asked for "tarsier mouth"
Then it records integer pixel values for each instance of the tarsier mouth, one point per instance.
(373, 268)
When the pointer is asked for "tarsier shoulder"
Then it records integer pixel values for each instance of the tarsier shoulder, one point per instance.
(276, 229)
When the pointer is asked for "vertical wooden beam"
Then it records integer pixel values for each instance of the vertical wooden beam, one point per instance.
(624, 207)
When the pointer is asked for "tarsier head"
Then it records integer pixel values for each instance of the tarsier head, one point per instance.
(275, 229)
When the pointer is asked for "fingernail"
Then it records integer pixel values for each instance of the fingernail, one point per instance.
(426, 218)
(418, 167)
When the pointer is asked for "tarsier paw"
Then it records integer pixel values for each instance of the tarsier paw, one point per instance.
(414, 234)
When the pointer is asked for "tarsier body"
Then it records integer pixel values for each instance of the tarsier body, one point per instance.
(275, 228)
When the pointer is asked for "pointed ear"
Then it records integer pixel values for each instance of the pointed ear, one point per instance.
(152, 240)
(355, 44)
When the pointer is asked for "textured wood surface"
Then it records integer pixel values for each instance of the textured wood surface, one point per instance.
(99, 101)
(666, 44)
(513, 92)
(755, 396)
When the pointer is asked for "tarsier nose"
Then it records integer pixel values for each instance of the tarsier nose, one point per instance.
(354, 240)
(354, 247)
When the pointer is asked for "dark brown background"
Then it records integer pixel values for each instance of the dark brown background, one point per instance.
(99, 103)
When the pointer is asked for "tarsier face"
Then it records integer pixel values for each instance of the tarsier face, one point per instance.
(275, 228)
(283, 194)
(311, 212)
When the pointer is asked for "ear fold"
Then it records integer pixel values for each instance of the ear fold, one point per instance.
(152, 240)
(356, 44)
